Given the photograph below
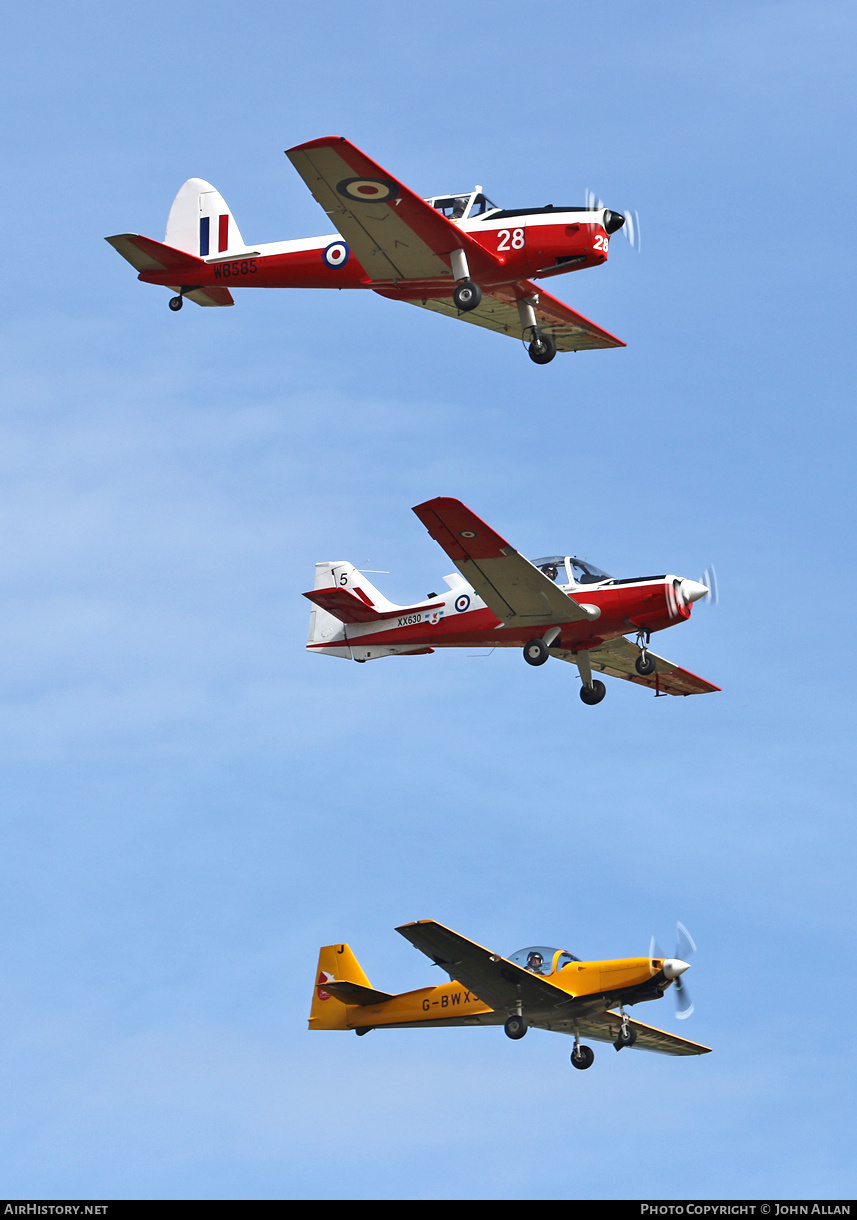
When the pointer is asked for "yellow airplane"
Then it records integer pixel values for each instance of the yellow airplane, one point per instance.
(546, 988)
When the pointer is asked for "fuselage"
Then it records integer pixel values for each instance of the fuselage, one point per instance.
(594, 987)
(460, 619)
(523, 244)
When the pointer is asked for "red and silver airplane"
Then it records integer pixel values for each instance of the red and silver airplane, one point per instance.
(559, 606)
(459, 255)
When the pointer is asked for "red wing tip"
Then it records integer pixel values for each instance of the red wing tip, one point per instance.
(321, 142)
(436, 501)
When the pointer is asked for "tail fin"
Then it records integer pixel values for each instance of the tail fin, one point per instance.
(343, 575)
(200, 223)
(335, 962)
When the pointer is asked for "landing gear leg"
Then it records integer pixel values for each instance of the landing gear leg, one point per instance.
(582, 1057)
(541, 348)
(592, 691)
(467, 295)
(644, 664)
(626, 1036)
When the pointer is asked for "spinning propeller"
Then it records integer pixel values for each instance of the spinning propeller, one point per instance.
(631, 227)
(674, 967)
(683, 593)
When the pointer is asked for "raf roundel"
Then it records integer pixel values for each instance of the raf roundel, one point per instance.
(368, 190)
(336, 255)
(461, 603)
(467, 533)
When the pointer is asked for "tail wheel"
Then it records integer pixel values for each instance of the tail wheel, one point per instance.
(536, 652)
(593, 694)
(467, 296)
(582, 1057)
(515, 1028)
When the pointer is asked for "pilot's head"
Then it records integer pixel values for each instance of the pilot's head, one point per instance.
(535, 961)
(550, 571)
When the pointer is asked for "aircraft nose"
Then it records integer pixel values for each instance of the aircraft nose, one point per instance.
(613, 221)
(693, 590)
(674, 966)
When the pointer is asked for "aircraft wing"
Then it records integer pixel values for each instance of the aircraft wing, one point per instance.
(605, 1027)
(513, 588)
(499, 312)
(145, 254)
(394, 233)
(492, 978)
(617, 658)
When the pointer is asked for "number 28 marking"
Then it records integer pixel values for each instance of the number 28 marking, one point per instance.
(600, 243)
(517, 239)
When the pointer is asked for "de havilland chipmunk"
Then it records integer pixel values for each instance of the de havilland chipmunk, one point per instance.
(457, 254)
(538, 986)
(558, 606)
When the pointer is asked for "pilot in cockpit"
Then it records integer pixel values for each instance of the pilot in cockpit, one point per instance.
(535, 962)
(550, 570)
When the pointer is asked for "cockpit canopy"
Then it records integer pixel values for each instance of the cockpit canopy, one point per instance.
(463, 207)
(569, 570)
(540, 959)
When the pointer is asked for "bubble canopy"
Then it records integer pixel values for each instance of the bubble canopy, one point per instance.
(568, 569)
(541, 959)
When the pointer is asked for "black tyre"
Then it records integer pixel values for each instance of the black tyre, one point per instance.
(593, 694)
(467, 296)
(542, 349)
(627, 1039)
(645, 665)
(536, 652)
(582, 1057)
(176, 303)
(515, 1028)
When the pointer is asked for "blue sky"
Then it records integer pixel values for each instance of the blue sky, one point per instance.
(192, 804)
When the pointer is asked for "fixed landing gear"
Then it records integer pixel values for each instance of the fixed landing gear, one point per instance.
(467, 296)
(593, 693)
(582, 1057)
(645, 665)
(626, 1035)
(542, 348)
(515, 1028)
(536, 652)
(176, 303)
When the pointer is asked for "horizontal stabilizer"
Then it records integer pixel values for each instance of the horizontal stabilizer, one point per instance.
(145, 254)
(354, 993)
(348, 607)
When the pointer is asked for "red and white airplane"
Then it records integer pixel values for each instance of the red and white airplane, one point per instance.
(459, 255)
(559, 606)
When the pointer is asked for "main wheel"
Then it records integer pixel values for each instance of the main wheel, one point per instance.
(627, 1039)
(467, 296)
(582, 1057)
(176, 303)
(515, 1028)
(593, 694)
(645, 664)
(536, 652)
(542, 349)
